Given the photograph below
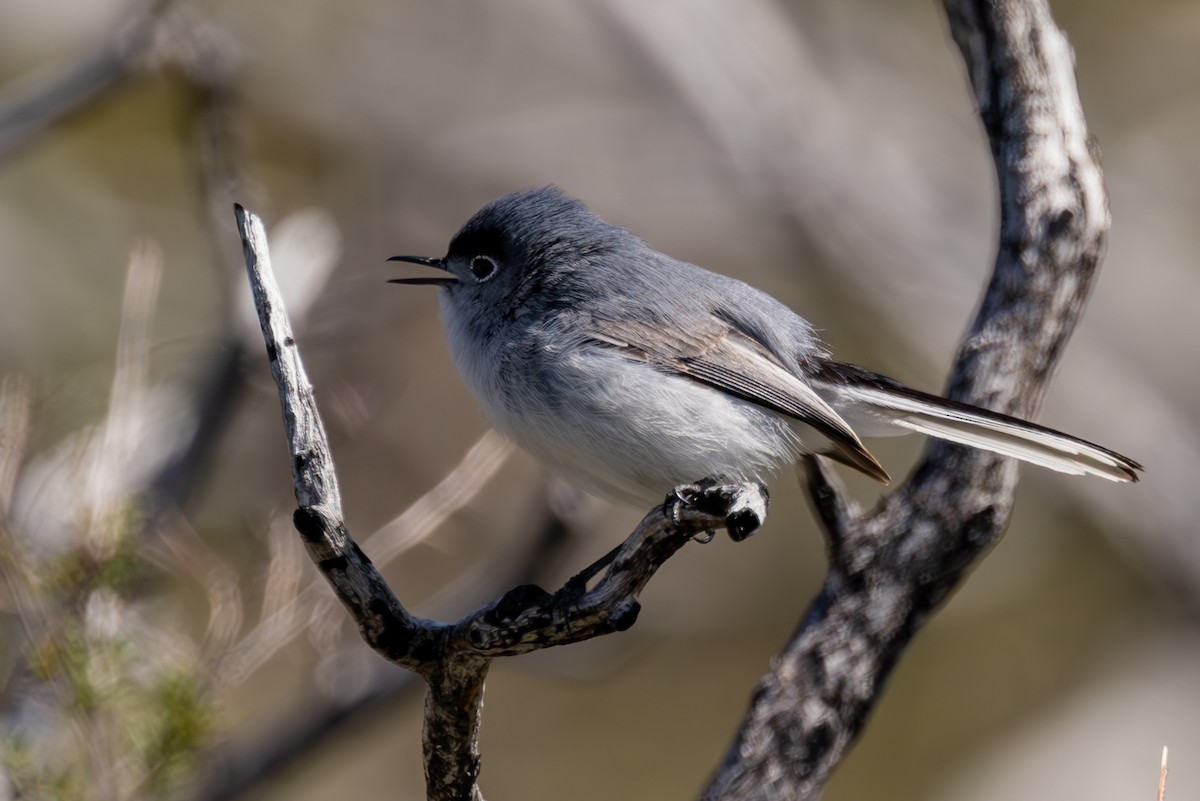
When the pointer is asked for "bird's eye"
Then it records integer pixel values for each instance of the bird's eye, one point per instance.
(483, 268)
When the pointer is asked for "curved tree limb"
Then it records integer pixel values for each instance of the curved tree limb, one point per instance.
(890, 568)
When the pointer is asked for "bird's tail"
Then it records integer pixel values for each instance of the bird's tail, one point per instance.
(872, 404)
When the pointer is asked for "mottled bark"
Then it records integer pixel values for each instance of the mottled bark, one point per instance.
(891, 567)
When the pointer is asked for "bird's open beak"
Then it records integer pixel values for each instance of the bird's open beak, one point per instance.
(437, 280)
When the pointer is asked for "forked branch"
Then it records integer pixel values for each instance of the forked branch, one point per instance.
(454, 658)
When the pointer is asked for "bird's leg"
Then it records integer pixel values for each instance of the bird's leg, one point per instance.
(743, 505)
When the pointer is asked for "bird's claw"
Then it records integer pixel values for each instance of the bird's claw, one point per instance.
(743, 504)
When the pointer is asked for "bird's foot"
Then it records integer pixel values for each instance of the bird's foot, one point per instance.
(742, 505)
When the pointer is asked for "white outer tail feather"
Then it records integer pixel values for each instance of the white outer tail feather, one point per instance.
(992, 431)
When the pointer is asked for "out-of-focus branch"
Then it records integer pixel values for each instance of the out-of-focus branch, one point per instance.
(87, 688)
(454, 659)
(131, 379)
(411, 527)
(32, 111)
(237, 769)
(14, 432)
(205, 60)
(169, 36)
(891, 568)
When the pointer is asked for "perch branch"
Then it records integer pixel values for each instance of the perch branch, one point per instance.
(454, 659)
(385, 624)
(238, 770)
(891, 568)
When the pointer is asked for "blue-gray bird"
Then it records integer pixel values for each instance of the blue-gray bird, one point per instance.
(630, 372)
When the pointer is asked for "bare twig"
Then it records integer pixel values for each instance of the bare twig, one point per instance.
(528, 618)
(454, 659)
(385, 623)
(1162, 776)
(454, 491)
(891, 568)
(836, 510)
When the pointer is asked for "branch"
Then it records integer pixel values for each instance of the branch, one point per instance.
(454, 659)
(385, 623)
(26, 114)
(890, 569)
(238, 770)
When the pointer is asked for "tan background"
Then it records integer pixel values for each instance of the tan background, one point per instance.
(826, 152)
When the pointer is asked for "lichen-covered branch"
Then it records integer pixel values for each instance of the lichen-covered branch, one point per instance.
(891, 568)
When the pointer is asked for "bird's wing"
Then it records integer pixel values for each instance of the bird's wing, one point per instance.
(719, 355)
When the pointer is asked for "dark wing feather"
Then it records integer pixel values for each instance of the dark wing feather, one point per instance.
(734, 362)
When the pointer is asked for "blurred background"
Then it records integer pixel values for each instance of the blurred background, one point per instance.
(163, 633)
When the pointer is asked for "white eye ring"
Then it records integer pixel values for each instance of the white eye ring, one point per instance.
(483, 268)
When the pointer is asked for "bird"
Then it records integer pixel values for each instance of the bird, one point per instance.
(630, 372)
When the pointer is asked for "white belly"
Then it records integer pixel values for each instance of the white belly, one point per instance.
(623, 430)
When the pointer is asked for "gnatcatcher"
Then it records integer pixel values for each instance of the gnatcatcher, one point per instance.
(631, 372)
